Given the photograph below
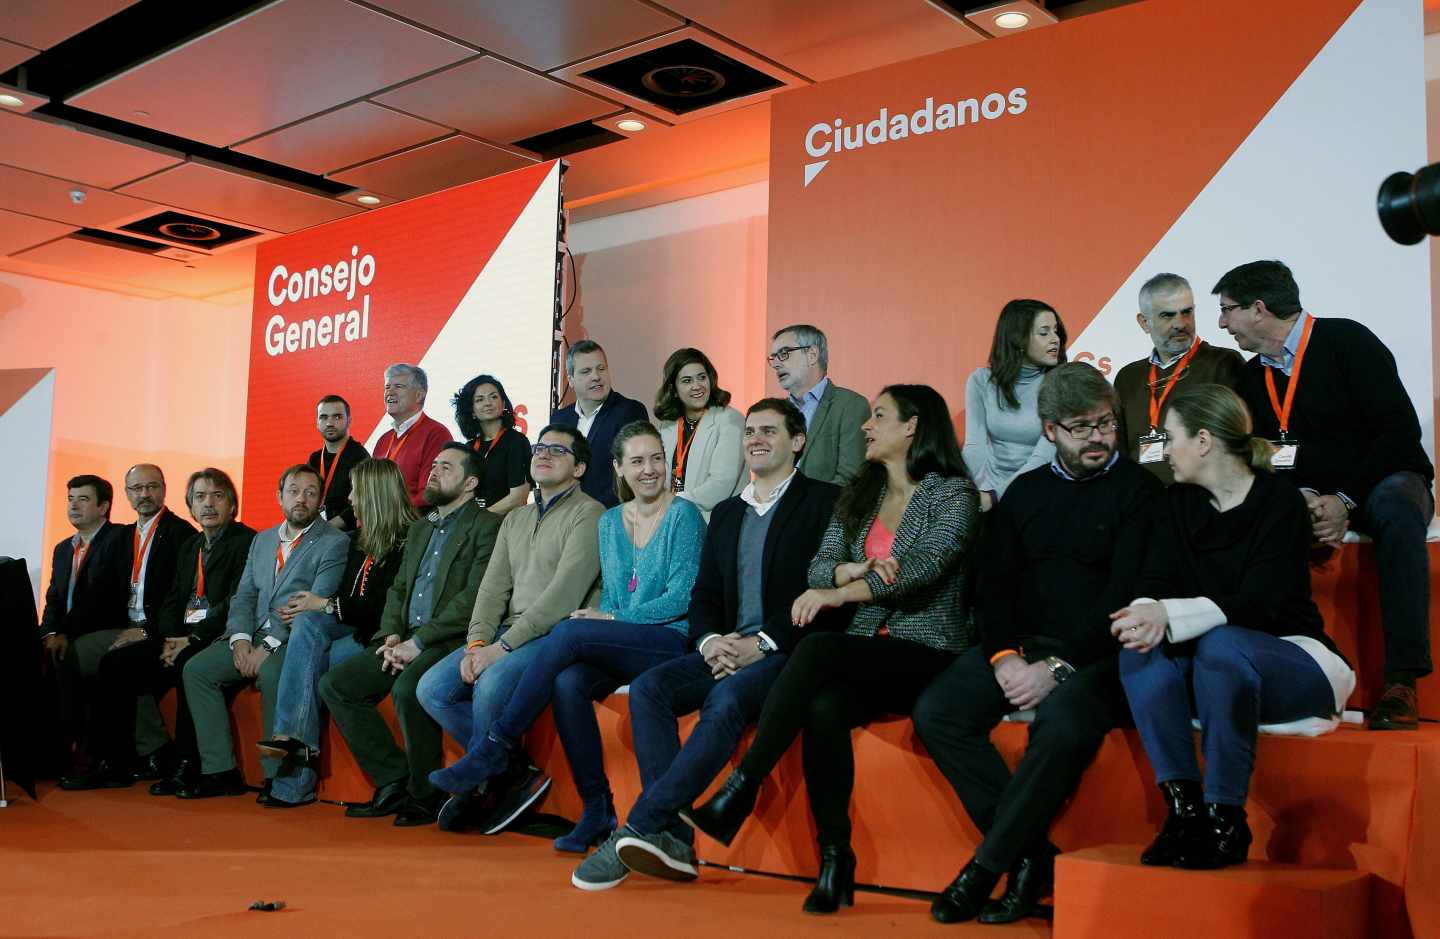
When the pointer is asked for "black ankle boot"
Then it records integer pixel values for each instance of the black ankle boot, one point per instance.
(1030, 880)
(1224, 839)
(966, 896)
(836, 882)
(722, 816)
(1182, 825)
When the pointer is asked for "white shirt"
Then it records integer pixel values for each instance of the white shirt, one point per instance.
(137, 609)
(584, 422)
(748, 494)
(285, 548)
(406, 424)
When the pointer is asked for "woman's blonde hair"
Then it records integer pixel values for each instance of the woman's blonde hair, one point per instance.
(1219, 410)
(382, 506)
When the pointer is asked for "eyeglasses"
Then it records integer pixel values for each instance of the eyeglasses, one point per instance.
(1227, 308)
(782, 354)
(1082, 430)
(145, 487)
(553, 449)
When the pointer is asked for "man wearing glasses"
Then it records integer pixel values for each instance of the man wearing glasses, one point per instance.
(1347, 432)
(546, 565)
(1061, 552)
(834, 443)
(1144, 387)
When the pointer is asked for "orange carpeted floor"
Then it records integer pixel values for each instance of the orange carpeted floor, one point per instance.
(121, 863)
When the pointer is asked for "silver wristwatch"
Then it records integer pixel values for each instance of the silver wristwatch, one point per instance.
(1059, 669)
(330, 606)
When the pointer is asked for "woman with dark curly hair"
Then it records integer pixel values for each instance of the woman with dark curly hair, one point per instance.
(701, 432)
(487, 419)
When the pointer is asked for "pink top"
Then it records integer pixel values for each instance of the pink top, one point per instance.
(879, 541)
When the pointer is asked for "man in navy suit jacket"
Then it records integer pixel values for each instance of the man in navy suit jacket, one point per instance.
(599, 412)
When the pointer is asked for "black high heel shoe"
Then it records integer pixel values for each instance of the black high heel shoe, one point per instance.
(293, 754)
(722, 816)
(836, 882)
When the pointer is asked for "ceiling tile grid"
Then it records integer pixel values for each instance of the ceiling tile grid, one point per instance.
(432, 167)
(18, 232)
(343, 137)
(249, 200)
(57, 150)
(41, 24)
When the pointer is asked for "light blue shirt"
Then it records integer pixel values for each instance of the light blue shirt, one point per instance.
(1292, 345)
(1063, 473)
(809, 402)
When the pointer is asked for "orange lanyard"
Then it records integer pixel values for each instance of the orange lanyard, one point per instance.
(1282, 412)
(281, 555)
(200, 572)
(78, 559)
(364, 577)
(330, 474)
(682, 448)
(488, 449)
(141, 549)
(398, 444)
(1156, 405)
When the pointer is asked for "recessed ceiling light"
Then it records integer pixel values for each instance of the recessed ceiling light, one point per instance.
(630, 125)
(1012, 20)
(368, 200)
(10, 101)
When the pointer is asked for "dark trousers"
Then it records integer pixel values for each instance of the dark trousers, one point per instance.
(126, 674)
(583, 661)
(954, 718)
(832, 684)
(672, 777)
(1396, 515)
(353, 691)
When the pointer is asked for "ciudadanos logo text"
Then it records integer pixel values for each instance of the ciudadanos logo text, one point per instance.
(828, 140)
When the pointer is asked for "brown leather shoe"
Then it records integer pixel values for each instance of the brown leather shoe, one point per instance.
(1399, 709)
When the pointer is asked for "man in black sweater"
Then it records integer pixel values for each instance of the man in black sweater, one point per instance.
(1062, 550)
(1348, 433)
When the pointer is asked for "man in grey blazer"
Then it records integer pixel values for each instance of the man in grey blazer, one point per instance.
(834, 444)
(301, 553)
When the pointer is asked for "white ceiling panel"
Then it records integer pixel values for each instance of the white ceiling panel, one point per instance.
(58, 150)
(343, 137)
(41, 24)
(131, 267)
(824, 39)
(432, 167)
(496, 100)
(282, 63)
(12, 54)
(46, 197)
(212, 190)
(18, 232)
(543, 34)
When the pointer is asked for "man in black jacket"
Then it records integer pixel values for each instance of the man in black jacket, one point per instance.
(599, 412)
(754, 564)
(335, 460)
(1348, 434)
(1062, 551)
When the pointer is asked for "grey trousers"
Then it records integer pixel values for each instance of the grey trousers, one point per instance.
(208, 676)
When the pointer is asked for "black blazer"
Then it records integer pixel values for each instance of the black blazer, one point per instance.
(599, 480)
(172, 532)
(791, 542)
(223, 567)
(362, 611)
(100, 596)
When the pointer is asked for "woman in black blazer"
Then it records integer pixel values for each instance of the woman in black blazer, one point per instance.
(898, 547)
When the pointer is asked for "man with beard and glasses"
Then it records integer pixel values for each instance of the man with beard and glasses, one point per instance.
(1062, 549)
(1180, 359)
(335, 460)
(301, 553)
(426, 615)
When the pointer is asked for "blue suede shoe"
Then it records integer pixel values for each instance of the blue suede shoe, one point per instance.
(597, 821)
(478, 765)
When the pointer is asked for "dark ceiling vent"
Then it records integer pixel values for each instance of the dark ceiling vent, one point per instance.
(567, 140)
(683, 76)
(200, 234)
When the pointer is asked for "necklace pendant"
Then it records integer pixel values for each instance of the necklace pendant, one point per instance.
(634, 581)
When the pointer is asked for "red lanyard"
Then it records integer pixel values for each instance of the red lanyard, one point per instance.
(364, 577)
(200, 572)
(78, 559)
(1282, 412)
(398, 444)
(488, 449)
(140, 548)
(281, 556)
(682, 448)
(330, 474)
(1156, 405)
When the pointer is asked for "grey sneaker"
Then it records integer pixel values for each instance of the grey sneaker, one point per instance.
(603, 869)
(658, 855)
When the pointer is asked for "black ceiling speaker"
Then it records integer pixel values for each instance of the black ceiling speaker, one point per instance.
(683, 76)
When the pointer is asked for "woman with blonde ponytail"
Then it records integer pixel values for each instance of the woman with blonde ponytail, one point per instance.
(1235, 632)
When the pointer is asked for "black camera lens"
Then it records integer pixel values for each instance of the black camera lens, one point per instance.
(1409, 205)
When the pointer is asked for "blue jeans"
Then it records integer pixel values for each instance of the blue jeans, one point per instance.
(1235, 679)
(467, 711)
(673, 777)
(317, 641)
(1396, 513)
(583, 661)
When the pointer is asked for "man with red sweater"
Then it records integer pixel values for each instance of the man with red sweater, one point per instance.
(415, 439)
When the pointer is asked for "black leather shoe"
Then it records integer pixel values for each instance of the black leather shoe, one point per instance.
(185, 774)
(387, 800)
(1398, 708)
(210, 785)
(157, 765)
(264, 793)
(724, 813)
(966, 896)
(1178, 835)
(836, 882)
(417, 812)
(102, 775)
(1224, 839)
(1030, 881)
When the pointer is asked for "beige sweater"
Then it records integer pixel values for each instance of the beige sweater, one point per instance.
(543, 568)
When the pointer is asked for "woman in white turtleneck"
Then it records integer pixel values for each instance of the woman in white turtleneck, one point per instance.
(1002, 428)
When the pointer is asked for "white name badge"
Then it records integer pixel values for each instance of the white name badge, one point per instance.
(195, 616)
(323, 515)
(1284, 456)
(1152, 448)
(134, 596)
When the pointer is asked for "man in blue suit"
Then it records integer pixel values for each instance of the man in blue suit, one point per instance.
(599, 412)
(301, 553)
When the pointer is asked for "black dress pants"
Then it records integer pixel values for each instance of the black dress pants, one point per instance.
(127, 673)
(954, 718)
(833, 683)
